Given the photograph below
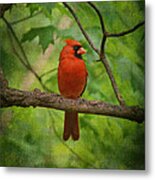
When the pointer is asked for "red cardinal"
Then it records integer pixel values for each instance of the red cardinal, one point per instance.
(72, 78)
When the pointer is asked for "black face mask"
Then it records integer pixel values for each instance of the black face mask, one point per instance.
(76, 48)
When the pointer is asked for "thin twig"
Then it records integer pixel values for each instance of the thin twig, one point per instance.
(113, 82)
(15, 51)
(126, 32)
(102, 27)
(81, 28)
(48, 72)
(26, 18)
(13, 34)
(20, 46)
(24, 60)
(103, 58)
(99, 15)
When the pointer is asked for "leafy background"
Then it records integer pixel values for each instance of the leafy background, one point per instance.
(32, 137)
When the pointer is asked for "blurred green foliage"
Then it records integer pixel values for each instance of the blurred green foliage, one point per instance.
(32, 137)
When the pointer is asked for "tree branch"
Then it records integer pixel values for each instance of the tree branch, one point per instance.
(81, 28)
(113, 82)
(102, 27)
(126, 32)
(13, 97)
(99, 15)
(103, 57)
(24, 60)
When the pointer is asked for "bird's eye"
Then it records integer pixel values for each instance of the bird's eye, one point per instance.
(76, 47)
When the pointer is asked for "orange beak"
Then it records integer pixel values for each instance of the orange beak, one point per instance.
(81, 51)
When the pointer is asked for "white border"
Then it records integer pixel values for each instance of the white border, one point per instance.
(30, 1)
(76, 174)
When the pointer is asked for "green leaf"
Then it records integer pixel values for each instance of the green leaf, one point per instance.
(137, 79)
(46, 8)
(45, 35)
(33, 8)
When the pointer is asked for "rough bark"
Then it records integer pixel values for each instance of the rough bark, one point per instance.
(13, 97)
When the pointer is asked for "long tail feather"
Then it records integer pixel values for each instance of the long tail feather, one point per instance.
(67, 126)
(71, 127)
(75, 126)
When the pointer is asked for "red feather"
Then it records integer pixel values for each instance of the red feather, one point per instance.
(72, 78)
